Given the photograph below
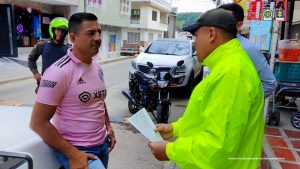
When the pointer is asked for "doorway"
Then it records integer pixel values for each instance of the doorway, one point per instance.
(7, 34)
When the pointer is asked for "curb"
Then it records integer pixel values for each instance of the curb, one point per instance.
(15, 79)
(105, 61)
(99, 62)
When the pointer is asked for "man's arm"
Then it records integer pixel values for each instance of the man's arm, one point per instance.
(34, 56)
(266, 76)
(40, 123)
(110, 131)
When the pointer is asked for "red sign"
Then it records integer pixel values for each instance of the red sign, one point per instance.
(280, 10)
(254, 10)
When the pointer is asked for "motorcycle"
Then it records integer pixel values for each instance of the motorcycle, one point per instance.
(151, 93)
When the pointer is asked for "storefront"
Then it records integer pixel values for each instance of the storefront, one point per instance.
(31, 25)
(30, 19)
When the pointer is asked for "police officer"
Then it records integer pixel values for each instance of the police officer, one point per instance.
(51, 49)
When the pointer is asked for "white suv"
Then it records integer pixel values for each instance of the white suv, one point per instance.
(164, 54)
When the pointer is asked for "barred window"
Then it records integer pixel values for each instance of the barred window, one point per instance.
(125, 6)
(135, 16)
(95, 2)
(154, 16)
(133, 37)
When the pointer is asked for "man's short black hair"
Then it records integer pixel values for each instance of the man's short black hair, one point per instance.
(236, 9)
(76, 20)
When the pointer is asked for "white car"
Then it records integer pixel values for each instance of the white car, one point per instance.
(164, 54)
(20, 147)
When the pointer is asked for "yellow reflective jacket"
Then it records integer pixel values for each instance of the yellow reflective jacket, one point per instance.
(223, 125)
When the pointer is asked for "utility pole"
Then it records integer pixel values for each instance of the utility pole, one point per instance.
(85, 6)
(288, 22)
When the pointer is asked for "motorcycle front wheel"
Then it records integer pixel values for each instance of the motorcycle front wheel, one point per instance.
(132, 108)
(162, 113)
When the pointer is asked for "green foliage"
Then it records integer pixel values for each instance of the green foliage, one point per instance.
(185, 19)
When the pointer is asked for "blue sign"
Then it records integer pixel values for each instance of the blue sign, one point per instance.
(279, 14)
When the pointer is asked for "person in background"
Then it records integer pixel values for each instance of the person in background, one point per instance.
(71, 95)
(51, 49)
(266, 76)
(223, 124)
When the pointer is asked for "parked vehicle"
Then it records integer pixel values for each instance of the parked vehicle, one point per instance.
(164, 54)
(152, 93)
(20, 147)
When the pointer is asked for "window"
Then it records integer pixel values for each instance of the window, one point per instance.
(154, 16)
(150, 37)
(159, 36)
(95, 2)
(135, 16)
(125, 6)
(133, 37)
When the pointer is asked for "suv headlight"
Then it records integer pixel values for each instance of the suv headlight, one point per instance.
(133, 64)
(180, 69)
(162, 83)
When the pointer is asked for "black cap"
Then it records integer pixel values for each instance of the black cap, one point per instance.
(218, 18)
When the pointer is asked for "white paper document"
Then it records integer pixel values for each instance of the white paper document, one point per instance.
(142, 122)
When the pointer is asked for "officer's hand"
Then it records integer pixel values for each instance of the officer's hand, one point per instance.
(79, 160)
(38, 76)
(165, 130)
(158, 149)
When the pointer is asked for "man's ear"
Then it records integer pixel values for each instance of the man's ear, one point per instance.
(72, 37)
(212, 34)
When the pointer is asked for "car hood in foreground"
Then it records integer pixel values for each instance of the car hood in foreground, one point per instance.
(159, 59)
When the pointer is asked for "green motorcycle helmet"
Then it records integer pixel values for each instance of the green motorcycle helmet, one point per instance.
(58, 22)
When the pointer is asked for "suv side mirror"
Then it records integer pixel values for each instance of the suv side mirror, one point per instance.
(150, 64)
(181, 62)
(11, 160)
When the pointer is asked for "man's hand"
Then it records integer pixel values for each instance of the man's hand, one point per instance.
(158, 149)
(165, 130)
(79, 160)
(112, 138)
(38, 76)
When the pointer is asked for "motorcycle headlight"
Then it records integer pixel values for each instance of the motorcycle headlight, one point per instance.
(133, 64)
(162, 83)
(180, 69)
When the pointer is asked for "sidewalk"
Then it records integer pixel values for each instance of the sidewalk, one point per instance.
(15, 69)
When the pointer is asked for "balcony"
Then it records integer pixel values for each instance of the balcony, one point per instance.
(134, 21)
(59, 2)
(163, 5)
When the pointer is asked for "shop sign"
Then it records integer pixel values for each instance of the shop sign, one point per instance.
(280, 10)
(267, 14)
(254, 10)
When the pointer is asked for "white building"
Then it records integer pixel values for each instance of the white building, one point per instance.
(148, 21)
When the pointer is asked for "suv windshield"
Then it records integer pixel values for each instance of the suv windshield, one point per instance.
(169, 48)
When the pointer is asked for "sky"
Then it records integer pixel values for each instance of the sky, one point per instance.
(193, 5)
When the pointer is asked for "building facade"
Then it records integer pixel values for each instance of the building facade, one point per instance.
(113, 15)
(148, 21)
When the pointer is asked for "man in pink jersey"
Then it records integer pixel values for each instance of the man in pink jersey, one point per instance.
(70, 113)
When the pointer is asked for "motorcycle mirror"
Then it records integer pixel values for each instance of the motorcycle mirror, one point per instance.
(179, 63)
(150, 64)
(167, 76)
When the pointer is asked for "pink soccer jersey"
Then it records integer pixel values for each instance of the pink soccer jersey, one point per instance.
(78, 91)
